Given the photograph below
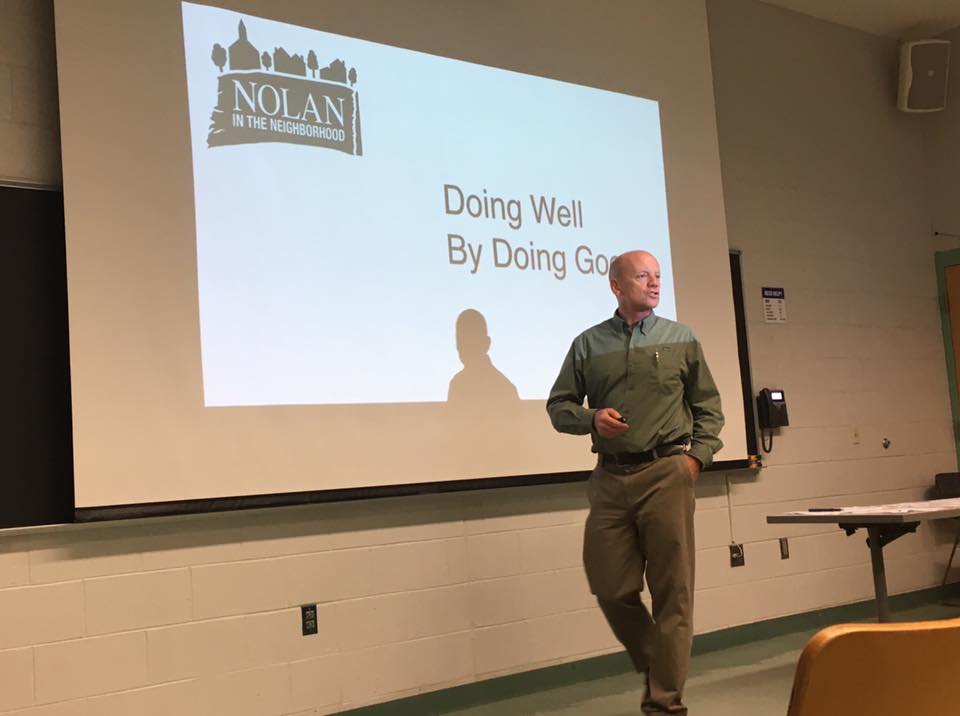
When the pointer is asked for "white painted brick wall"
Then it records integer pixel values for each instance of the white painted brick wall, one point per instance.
(824, 189)
(942, 152)
(200, 615)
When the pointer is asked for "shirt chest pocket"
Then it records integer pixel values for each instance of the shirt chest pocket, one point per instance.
(668, 369)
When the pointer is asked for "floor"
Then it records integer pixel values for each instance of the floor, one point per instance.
(749, 680)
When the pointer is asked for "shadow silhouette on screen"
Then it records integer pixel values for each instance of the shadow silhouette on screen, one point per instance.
(484, 410)
(479, 385)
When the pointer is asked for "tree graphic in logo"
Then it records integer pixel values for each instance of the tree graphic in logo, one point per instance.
(255, 104)
(219, 56)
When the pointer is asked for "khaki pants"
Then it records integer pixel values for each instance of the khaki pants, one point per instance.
(641, 525)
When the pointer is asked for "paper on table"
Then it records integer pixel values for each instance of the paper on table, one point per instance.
(899, 508)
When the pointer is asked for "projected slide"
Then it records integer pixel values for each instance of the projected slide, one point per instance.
(377, 225)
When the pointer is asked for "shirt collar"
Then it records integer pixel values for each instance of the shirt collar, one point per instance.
(644, 326)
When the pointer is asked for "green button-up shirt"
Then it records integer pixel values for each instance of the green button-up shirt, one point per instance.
(654, 374)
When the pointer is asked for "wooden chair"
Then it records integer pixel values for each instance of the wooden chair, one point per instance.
(908, 669)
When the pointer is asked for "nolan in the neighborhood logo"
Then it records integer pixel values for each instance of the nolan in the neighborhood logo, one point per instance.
(269, 98)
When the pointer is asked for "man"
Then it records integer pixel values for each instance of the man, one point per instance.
(654, 416)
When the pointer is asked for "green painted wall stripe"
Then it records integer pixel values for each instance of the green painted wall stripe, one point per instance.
(529, 682)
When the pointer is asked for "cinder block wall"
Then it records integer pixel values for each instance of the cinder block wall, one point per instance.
(29, 117)
(825, 191)
(200, 615)
(942, 145)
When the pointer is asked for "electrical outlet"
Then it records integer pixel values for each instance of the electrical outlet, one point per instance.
(784, 548)
(854, 434)
(308, 619)
(737, 557)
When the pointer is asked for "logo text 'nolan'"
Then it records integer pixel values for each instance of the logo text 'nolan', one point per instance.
(257, 105)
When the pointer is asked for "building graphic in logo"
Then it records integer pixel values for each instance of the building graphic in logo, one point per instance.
(266, 97)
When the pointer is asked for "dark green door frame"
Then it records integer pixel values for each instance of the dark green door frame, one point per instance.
(945, 259)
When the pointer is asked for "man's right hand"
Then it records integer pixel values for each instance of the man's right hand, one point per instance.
(607, 423)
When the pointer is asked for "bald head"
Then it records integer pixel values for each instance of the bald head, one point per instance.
(623, 264)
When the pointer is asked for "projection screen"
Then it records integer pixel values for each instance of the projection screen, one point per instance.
(301, 259)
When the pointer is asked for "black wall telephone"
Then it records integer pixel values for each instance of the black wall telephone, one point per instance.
(772, 409)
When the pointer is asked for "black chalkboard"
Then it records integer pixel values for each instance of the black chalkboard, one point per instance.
(36, 456)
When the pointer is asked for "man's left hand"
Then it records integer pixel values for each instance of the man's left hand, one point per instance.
(694, 466)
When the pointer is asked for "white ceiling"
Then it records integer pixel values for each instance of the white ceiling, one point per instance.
(902, 19)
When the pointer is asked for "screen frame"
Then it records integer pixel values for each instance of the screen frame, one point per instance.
(698, 146)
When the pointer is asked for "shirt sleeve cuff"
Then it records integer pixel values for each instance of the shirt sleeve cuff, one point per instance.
(588, 414)
(702, 453)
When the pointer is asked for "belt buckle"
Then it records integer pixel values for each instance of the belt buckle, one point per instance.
(670, 450)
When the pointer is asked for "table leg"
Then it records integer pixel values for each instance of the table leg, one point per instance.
(953, 552)
(879, 574)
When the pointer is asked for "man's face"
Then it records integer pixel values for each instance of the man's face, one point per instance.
(638, 287)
